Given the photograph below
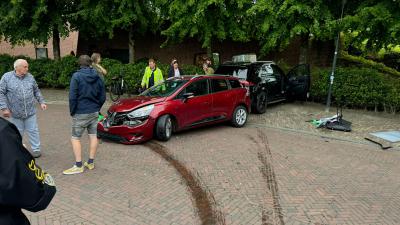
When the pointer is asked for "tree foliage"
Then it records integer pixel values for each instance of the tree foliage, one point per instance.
(208, 20)
(376, 24)
(280, 22)
(36, 21)
(274, 23)
(105, 16)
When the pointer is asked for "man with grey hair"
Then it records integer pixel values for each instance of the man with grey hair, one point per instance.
(86, 97)
(18, 94)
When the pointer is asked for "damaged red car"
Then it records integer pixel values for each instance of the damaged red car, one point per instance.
(177, 104)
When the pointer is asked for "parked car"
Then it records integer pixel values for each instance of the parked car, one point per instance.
(268, 82)
(177, 104)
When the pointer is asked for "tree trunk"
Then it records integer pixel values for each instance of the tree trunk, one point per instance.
(56, 44)
(209, 52)
(305, 46)
(131, 46)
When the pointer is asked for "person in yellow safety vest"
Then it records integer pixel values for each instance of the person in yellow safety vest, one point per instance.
(152, 75)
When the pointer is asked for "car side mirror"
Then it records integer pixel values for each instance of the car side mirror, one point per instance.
(187, 96)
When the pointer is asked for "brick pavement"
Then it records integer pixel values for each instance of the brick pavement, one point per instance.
(265, 173)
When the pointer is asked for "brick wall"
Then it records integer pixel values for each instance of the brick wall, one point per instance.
(28, 49)
(149, 47)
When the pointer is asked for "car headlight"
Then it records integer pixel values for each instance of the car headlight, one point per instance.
(141, 112)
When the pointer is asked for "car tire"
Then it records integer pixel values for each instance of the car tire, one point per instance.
(260, 103)
(239, 116)
(164, 128)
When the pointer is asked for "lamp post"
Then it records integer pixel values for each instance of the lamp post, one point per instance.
(332, 76)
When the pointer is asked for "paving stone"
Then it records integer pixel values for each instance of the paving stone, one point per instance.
(278, 165)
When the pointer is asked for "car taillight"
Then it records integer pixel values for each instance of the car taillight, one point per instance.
(246, 85)
(247, 91)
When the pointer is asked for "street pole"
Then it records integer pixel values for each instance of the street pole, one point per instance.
(332, 76)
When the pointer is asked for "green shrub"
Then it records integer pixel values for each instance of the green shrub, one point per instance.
(357, 87)
(41, 68)
(369, 63)
(6, 63)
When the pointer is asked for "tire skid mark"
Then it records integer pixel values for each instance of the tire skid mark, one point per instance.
(265, 156)
(204, 200)
(264, 217)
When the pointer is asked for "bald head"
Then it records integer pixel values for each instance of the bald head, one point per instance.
(21, 67)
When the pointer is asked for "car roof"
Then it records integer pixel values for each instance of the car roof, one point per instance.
(191, 77)
(230, 63)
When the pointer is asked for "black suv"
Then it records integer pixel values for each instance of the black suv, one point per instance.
(268, 83)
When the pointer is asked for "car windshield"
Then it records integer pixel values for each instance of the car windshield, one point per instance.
(164, 89)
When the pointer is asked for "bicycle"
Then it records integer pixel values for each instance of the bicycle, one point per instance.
(118, 87)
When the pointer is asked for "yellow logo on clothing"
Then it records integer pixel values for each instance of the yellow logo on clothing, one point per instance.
(39, 174)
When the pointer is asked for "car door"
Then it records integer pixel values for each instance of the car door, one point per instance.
(222, 98)
(194, 110)
(279, 75)
(298, 82)
(272, 77)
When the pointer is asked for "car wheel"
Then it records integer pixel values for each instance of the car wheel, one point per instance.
(239, 116)
(164, 128)
(260, 104)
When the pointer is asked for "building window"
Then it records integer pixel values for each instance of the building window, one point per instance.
(41, 53)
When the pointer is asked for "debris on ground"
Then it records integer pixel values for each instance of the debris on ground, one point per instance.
(386, 139)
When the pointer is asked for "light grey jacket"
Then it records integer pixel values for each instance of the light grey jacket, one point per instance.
(19, 94)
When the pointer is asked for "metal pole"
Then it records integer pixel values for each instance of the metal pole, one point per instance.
(332, 76)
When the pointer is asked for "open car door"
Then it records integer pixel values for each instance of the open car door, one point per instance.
(298, 82)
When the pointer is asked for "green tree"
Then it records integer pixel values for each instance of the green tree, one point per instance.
(109, 16)
(208, 21)
(280, 22)
(36, 21)
(374, 24)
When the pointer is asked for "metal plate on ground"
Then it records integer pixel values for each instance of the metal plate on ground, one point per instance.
(391, 136)
(386, 139)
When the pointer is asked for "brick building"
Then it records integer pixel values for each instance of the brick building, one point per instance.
(28, 49)
(188, 52)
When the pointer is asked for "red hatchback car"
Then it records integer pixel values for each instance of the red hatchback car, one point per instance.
(177, 104)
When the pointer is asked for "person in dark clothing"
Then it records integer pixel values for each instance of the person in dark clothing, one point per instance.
(174, 70)
(86, 97)
(23, 184)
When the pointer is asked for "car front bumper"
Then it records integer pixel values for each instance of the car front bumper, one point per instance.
(127, 134)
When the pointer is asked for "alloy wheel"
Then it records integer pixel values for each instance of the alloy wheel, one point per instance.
(241, 116)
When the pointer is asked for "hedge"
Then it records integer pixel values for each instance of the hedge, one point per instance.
(358, 87)
(344, 56)
(57, 74)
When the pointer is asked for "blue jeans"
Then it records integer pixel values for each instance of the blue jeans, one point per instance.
(31, 127)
